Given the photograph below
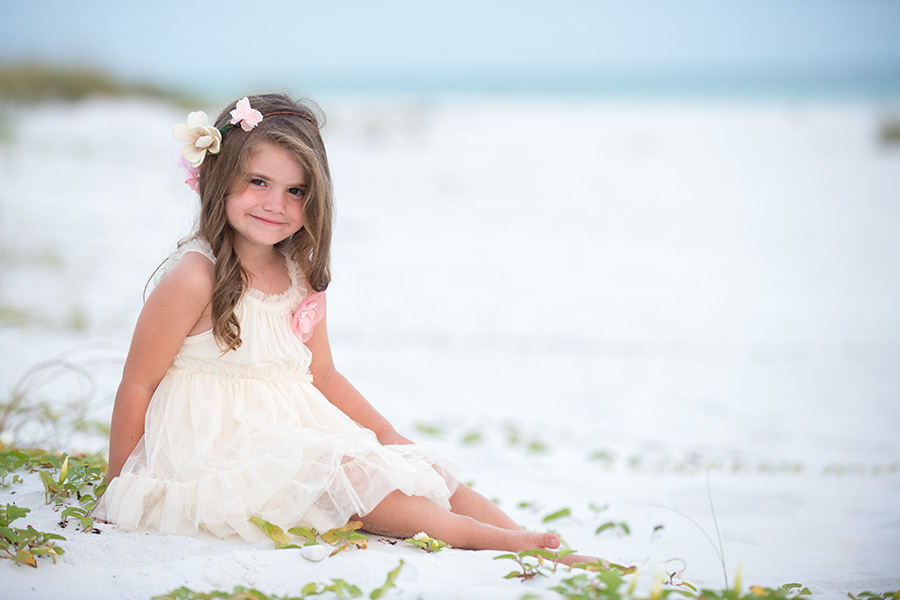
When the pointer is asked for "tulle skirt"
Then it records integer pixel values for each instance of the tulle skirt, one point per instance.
(217, 451)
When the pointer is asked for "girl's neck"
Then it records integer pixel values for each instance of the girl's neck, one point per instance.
(252, 254)
(265, 268)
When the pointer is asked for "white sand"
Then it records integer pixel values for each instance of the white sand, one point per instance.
(702, 291)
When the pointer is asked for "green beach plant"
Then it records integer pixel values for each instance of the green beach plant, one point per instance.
(11, 460)
(71, 482)
(895, 595)
(339, 587)
(612, 584)
(73, 476)
(389, 583)
(618, 527)
(348, 536)
(559, 514)
(341, 538)
(24, 546)
(427, 543)
(529, 569)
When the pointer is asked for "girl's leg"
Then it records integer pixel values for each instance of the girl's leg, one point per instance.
(468, 502)
(399, 515)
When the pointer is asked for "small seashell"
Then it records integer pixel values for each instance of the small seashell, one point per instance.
(314, 553)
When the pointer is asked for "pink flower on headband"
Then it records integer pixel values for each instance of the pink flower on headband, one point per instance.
(192, 173)
(246, 116)
(310, 312)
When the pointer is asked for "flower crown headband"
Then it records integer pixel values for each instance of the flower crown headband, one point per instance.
(199, 138)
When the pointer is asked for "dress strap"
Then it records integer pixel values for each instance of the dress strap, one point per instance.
(194, 244)
(298, 279)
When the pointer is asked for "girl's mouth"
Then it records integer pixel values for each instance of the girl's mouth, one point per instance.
(265, 221)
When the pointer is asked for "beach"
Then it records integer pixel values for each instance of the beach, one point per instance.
(680, 315)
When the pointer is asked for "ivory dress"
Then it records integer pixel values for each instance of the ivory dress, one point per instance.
(245, 433)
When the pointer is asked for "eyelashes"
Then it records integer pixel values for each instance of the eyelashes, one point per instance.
(299, 192)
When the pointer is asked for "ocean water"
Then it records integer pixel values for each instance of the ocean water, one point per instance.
(820, 84)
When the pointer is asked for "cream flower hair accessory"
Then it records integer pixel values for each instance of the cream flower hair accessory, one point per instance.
(198, 138)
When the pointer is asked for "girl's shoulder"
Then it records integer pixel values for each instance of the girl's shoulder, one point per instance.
(191, 266)
(192, 272)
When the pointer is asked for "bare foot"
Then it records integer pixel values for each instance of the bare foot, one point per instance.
(518, 540)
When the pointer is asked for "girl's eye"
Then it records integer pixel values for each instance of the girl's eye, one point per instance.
(299, 192)
(258, 182)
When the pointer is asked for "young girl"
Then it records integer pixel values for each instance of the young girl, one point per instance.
(230, 405)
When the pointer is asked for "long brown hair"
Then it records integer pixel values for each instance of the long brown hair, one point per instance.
(311, 246)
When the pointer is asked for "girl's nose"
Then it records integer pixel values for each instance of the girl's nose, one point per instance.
(274, 201)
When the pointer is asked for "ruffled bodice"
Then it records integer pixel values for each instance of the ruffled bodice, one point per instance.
(268, 349)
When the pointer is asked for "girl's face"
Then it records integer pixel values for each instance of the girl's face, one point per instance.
(267, 205)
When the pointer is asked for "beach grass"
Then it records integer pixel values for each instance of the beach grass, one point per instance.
(32, 82)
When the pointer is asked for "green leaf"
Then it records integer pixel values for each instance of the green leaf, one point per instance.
(307, 533)
(332, 536)
(537, 552)
(388, 584)
(309, 589)
(344, 590)
(604, 527)
(68, 512)
(611, 525)
(429, 429)
(273, 532)
(25, 557)
(11, 534)
(473, 437)
(563, 512)
(64, 470)
(281, 546)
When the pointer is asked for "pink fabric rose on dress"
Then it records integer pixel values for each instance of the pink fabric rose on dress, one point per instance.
(310, 312)
(246, 116)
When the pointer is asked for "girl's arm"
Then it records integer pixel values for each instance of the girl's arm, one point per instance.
(341, 392)
(179, 304)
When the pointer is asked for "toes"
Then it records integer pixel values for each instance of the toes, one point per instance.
(551, 541)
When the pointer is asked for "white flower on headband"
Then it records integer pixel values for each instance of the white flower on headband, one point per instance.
(198, 138)
(246, 116)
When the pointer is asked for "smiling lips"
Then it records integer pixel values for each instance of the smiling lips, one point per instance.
(265, 221)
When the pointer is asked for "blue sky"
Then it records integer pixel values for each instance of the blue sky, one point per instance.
(224, 45)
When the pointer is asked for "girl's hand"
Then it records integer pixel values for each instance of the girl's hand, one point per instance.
(391, 437)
